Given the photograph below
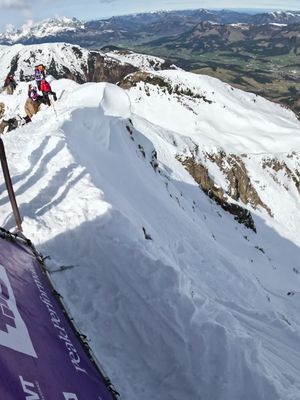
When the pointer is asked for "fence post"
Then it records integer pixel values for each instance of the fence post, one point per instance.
(9, 186)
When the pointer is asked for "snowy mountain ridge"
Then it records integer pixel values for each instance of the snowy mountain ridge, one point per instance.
(45, 28)
(75, 62)
(126, 185)
(76, 31)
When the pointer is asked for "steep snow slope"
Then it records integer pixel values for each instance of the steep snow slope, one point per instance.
(178, 299)
(216, 115)
(205, 119)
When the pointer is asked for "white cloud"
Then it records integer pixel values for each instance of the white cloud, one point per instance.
(20, 4)
(12, 4)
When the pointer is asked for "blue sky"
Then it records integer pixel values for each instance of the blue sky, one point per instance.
(17, 12)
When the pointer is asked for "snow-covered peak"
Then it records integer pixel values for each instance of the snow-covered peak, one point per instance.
(45, 28)
(282, 13)
(281, 17)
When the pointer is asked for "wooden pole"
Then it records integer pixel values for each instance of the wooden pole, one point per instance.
(9, 186)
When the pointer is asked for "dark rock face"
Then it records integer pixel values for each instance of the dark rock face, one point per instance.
(97, 69)
(101, 69)
(240, 186)
(146, 77)
(201, 175)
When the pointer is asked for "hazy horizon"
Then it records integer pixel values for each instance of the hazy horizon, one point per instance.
(15, 13)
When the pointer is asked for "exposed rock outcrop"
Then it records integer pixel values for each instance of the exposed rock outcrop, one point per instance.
(201, 175)
(146, 77)
(100, 68)
(2, 109)
(274, 165)
(240, 186)
(165, 85)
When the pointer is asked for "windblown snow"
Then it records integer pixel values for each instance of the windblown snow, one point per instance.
(177, 298)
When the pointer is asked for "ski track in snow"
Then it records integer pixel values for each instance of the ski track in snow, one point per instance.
(198, 311)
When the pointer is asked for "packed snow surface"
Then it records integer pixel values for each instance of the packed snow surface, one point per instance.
(177, 298)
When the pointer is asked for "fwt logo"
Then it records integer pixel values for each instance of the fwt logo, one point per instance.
(13, 331)
(7, 317)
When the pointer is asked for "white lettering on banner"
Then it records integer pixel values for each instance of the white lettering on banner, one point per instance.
(62, 334)
(28, 388)
(13, 331)
(70, 396)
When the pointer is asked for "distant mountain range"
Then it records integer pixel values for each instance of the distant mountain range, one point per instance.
(137, 28)
(174, 200)
(267, 39)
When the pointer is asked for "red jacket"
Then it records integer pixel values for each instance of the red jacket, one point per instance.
(45, 87)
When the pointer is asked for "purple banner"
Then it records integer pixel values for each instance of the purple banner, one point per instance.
(41, 357)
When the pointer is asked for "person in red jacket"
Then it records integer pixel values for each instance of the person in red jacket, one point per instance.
(46, 90)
